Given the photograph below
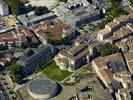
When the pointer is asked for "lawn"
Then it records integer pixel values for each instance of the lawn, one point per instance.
(53, 72)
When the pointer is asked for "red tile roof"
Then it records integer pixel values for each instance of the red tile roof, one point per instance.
(19, 35)
(51, 29)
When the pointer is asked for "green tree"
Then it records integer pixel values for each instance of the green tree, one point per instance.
(15, 72)
(37, 69)
(29, 52)
(64, 1)
(15, 6)
(115, 12)
(108, 49)
(30, 8)
(131, 1)
(29, 44)
(111, 14)
(58, 42)
(114, 2)
(40, 10)
(3, 47)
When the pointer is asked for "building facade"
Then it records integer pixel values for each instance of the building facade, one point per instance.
(4, 9)
(29, 63)
(77, 14)
(74, 58)
(114, 26)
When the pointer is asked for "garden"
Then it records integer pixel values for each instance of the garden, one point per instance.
(53, 72)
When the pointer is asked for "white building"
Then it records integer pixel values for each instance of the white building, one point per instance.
(4, 9)
(103, 34)
(47, 3)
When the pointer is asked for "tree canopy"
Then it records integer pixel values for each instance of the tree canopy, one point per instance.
(40, 10)
(62, 41)
(131, 1)
(64, 1)
(115, 12)
(29, 52)
(114, 2)
(108, 49)
(15, 72)
(111, 14)
(15, 6)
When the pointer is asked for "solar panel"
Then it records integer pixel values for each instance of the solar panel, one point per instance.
(112, 66)
(121, 65)
(116, 66)
(116, 85)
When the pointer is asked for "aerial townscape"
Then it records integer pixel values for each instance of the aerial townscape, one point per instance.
(66, 49)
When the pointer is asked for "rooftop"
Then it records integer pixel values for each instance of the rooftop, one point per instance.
(26, 60)
(98, 92)
(77, 49)
(26, 20)
(130, 26)
(52, 29)
(112, 25)
(76, 52)
(115, 85)
(19, 35)
(42, 86)
(124, 31)
(11, 21)
(47, 3)
(77, 11)
(107, 74)
(102, 61)
(121, 19)
(129, 59)
(104, 3)
(117, 66)
(107, 66)
(2, 3)
(104, 31)
(130, 46)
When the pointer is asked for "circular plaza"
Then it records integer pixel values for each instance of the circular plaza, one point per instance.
(42, 88)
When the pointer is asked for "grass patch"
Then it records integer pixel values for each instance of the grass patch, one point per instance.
(53, 72)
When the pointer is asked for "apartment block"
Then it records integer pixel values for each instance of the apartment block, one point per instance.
(114, 26)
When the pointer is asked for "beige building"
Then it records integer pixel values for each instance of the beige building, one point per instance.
(129, 59)
(106, 66)
(122, 20)
(130, 26)
(121, 35)
(115, 25)
(125, 78)
(73, 58)
(123, 94)
(104, 33)
(47, 3)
